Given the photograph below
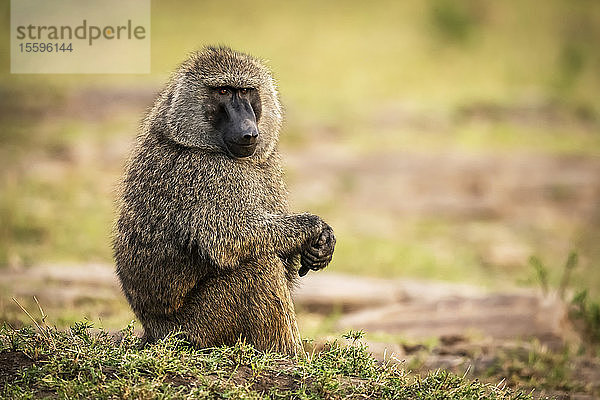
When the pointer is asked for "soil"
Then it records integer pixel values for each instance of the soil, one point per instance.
(11, 364)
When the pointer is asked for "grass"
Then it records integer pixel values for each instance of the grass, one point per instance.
(537, 367)
(340, 56)
(79, 364)
(107, 313)
(586, 312)
(472, 77)
(415, 75)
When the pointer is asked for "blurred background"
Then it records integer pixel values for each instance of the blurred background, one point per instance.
(443, 140)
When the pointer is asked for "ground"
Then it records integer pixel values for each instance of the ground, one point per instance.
(519, 337)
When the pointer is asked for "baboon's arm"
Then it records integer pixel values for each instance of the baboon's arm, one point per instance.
(228, 243)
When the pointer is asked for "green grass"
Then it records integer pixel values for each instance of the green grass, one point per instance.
(58, 190)
(340, 56)
(79, 364)
(535, 366)
(406, 76)
(586, 314)
(393, 257)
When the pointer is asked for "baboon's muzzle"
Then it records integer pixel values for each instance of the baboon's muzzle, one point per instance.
(241, 136)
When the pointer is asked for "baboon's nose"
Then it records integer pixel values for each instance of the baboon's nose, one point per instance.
(249, 131)
(251, 134)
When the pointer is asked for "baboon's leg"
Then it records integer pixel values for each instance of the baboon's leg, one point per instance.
(253, 302)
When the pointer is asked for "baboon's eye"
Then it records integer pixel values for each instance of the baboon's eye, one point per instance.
(223, 90)
(244, 91)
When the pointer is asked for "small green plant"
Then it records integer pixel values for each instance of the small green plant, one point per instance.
(571, 263)
(587, 313)
(541, 273)
(454, 21)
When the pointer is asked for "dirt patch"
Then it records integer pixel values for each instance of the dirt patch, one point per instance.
(66, 285)
(420, 309)
(187, 381)
(496, 315)
(279, 377)
(264, 381)
(11, 365)
(511, 186)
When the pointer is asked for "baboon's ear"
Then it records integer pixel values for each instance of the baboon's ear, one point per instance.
(186, 120)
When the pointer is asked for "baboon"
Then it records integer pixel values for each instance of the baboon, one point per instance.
(203, 242)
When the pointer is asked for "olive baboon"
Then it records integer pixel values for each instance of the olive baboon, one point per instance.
(203, 241)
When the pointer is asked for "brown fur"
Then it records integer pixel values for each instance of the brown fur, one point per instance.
(204, 242)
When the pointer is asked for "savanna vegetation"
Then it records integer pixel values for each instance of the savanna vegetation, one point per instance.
(443, 140)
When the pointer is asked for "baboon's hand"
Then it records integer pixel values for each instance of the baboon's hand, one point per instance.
(317, 253)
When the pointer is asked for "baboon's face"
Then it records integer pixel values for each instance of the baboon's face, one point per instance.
(236, 112)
